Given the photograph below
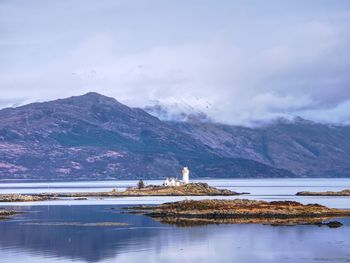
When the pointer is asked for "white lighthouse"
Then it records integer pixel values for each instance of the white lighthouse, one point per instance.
(185, 175)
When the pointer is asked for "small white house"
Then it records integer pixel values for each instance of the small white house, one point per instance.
(171, 182)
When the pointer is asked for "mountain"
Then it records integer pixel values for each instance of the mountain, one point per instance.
(305, 148)
(93, 136)
(96, 137)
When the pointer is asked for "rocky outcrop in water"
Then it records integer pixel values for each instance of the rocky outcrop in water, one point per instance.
(239, 211)
(192, 189)
(4, 214)
(327, 193)
(22, 198)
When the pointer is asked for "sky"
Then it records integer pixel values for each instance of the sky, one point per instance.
(240, 62)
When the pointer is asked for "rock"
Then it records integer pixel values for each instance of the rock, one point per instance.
(22, 198)
(192, 189)
(333, 224)
(4, 214)
(327, 193)
(238, 211)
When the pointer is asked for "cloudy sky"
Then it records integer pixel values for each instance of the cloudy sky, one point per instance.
(241, 62)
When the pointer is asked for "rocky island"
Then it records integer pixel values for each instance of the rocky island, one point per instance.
(23, 198)
(191, 189)
(240, 211)
(4, 214)
(327, 193)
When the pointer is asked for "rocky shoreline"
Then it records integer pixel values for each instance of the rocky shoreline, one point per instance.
(192, 189)
(4, 214)
(23, 198)
(240, 211)
(327, 193)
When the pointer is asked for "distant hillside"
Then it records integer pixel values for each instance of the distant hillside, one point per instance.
(302, 147)
(96, 137)
(93, 136)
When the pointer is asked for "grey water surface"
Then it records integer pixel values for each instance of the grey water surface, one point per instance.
(71, 231)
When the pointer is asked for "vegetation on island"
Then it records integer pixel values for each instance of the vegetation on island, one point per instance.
(141, 184)
(23, 198)
(238, 211)
(327, 193)
(192, 189)
(4, 214)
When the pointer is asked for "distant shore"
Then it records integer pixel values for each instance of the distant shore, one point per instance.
(327, 193)
(192, 189)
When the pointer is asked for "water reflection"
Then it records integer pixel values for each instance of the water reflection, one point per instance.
(146, 240)
(90, 244)
(149, 241)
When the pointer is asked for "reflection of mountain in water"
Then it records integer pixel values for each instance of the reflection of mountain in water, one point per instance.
(90, 244)
(150, 241)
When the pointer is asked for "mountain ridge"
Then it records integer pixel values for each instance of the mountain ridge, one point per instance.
(96, 137)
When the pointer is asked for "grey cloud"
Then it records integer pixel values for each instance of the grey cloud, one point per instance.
(230, 61)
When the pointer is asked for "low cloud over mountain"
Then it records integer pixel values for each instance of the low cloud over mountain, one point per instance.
(240, 63)
(93, 136)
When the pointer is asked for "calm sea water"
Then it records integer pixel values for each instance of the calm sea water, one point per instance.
(43, 234)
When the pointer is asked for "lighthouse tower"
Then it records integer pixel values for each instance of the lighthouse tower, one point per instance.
(185, 175)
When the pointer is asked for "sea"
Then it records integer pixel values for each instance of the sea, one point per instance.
(100, 230)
